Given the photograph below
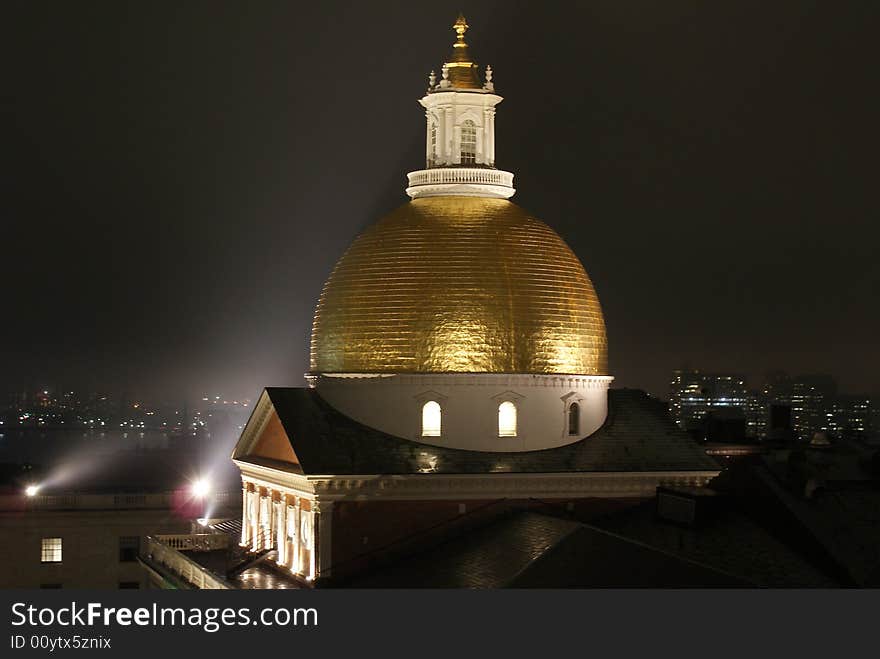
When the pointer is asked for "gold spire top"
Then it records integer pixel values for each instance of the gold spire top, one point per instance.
(460, 28)
(462, 69)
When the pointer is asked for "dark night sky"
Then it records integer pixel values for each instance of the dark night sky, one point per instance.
(181, 177)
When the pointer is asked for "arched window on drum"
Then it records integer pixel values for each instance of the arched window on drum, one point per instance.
(507, 419)
(431, 419)
(574, 419)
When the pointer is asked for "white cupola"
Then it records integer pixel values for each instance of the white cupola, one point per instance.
(460, 137)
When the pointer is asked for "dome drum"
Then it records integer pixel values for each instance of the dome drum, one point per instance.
(467, 407)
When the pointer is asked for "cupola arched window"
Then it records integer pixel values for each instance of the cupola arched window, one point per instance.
(574, 419)
(433, 156)
(431, 414)
(507, 419)
(468, 142)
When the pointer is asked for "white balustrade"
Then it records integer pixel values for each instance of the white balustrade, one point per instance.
(195, 541)
(460, 175)
(161, 551)
(465, 181)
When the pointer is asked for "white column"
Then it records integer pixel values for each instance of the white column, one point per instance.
(450, 135)
(257, 543)
(295, 564)
(254, 518)
(427, 139)
(273, 520)
(281, 531)
(487, 132)
(309, 525)
(441, 136)
(245, 539)
(265, 529)
(492, 137)
(290, 550)
(323, 537)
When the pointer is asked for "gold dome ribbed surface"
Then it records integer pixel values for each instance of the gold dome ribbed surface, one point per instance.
(459, 285)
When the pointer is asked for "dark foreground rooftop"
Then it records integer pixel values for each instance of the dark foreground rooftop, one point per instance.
(533, 550)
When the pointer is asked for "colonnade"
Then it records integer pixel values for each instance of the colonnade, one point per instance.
(275, 519)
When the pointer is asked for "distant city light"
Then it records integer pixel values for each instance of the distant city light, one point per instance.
(31, 490)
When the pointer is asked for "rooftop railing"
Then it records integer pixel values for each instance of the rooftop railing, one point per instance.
(461, 175)
(122, 501)
(163, 552)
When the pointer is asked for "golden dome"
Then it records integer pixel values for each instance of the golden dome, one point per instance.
(457, 284)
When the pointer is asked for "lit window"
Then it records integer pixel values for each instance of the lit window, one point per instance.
(431, 419)
(507, 419)
(51, 550)
(433, 157)
(574, 419)
(468, 143)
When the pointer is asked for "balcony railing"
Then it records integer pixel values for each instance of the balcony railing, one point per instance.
(162, 552)
(195, 541)
(464, 175)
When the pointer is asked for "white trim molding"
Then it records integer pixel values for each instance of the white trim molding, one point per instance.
(431, 486)
(566, 485)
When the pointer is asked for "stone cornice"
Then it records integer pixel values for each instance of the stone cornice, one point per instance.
(465, 379)
(277, 479)
(490, 486)
(263, 411)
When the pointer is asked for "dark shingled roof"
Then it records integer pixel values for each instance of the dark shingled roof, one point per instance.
(637, 436)
(528, 550)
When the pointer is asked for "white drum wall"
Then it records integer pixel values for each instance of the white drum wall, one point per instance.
(469, 406)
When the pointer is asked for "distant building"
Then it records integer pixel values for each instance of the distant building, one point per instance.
(694, 396)
(785, 407)
(853, 418)
(76, 507)
(70, 540)
(816, 406)
(757, 415)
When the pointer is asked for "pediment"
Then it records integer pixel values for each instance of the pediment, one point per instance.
(264, 435)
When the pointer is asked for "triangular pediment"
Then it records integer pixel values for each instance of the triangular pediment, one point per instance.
(264, 436)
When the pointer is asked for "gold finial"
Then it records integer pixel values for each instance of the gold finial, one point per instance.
(460, 28)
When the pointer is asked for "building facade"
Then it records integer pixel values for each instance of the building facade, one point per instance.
(694, 396)
(69, 540)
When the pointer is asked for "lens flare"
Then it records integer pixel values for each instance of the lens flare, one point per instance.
(201, 488)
